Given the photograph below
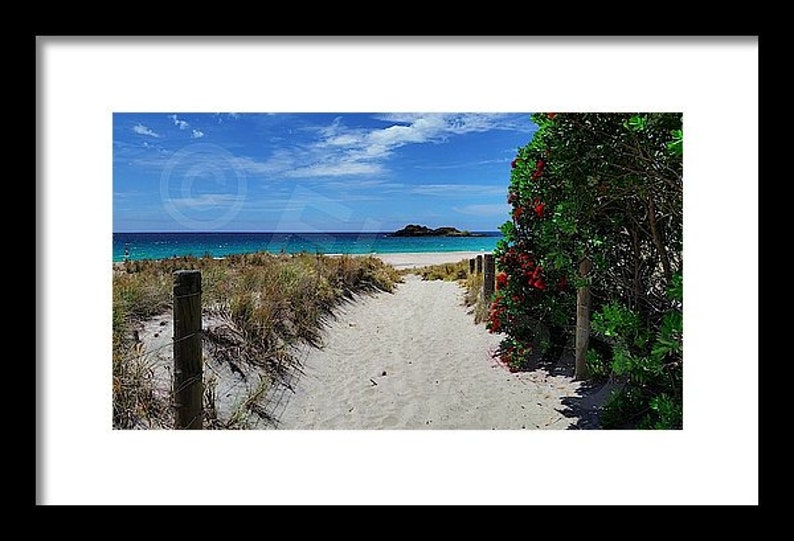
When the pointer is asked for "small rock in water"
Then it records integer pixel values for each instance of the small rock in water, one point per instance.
(157, 334)
(383, 373)
(163, 323)
(351, 323)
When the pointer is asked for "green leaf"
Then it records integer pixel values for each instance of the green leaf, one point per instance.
(676, 289)
(676, 146)
(636, 123)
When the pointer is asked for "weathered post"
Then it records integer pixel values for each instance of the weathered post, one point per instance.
(582, 322)
(188, 370)
(472, 262)
(489, 277)
(479, 264)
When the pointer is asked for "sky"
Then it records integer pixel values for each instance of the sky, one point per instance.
(313, 171)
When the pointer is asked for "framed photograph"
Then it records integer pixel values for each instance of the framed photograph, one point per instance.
(377, 262)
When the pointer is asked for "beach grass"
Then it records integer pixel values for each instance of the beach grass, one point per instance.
(444, 271)
(269, 303)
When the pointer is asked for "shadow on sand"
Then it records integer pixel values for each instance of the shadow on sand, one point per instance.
(583, 408)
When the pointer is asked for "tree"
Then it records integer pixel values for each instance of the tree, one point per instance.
(600, 193)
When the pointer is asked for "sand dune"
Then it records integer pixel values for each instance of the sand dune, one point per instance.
(415, 359)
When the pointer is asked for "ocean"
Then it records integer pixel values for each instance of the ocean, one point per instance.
(217, 244)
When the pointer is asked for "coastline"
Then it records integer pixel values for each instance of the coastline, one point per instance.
(167, 245)
(401, 260)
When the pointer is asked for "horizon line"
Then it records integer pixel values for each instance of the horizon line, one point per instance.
(300, 232)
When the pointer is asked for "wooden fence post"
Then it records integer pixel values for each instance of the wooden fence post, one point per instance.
(188, 369)
(582, 322)
(479, 264)
(472, 262)
(489, 277)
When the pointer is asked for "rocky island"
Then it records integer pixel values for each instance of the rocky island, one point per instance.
(412, 230)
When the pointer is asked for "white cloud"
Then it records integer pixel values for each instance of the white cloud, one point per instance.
(181, 124)
(197, 134)
(343, 140)
(484, 210)
(462, 165)
(458, 190)
(421, 130)
(205, 201)
(140, 129)
(339, 151)
(282, 160)
(337, 168)
(467, 122)
(343, 151)
(219, 116)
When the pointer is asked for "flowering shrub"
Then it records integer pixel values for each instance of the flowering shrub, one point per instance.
(605, 188)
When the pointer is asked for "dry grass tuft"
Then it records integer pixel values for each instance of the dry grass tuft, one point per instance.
(271, 304)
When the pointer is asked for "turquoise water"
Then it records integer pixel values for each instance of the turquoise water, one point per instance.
(163, 245)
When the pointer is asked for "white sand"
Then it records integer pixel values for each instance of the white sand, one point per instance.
(415, 359)
(409, 260)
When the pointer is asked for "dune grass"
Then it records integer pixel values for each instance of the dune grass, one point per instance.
(445, 271)
(271, 304)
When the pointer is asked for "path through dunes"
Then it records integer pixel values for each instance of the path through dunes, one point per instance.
(415, 359)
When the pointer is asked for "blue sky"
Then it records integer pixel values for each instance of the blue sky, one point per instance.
(313, 171)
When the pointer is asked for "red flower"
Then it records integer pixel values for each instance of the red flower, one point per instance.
(541, 163)
(513, 164)
(517, 213)
(540, 284)
(552, 115)
(494, 324)
(539, 208)
(501, 280)
(511, 198)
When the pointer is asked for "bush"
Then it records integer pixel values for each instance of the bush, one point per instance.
(604, 191)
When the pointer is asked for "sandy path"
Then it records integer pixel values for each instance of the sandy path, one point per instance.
(414, 359)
